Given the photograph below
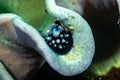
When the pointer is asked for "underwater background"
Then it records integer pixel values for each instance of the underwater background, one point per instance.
(103, 21)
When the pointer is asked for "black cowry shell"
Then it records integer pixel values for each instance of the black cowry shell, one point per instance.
(59, 39)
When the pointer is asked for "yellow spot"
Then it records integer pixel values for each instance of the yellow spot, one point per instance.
(58, 40)
(47, 31)
(70, 57)
(100, 78)
(60, 46)
(72, 28)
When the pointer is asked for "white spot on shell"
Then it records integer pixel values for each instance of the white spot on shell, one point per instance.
(49, 38)
(58, 41)
(60, 46)
(63, 41)
(56, 33)
(55, 45)
(66, 35)
(53, 41)
(61, 35)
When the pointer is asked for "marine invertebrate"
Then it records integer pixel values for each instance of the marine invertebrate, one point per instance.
(59, 38)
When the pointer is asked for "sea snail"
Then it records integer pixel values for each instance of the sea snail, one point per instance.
(80, 55)
(59, 38)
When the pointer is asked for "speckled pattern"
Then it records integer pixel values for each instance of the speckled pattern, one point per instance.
(59, 39)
